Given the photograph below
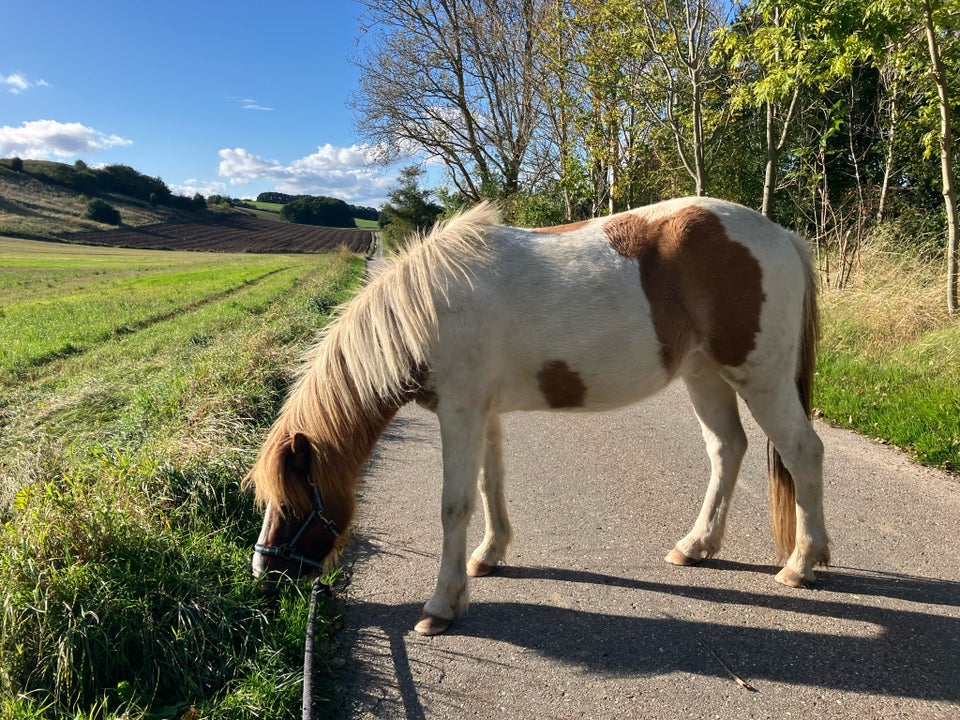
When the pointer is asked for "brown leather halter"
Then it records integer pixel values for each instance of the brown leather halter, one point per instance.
(288, 550)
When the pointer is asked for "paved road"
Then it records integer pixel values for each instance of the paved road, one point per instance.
(587, 621)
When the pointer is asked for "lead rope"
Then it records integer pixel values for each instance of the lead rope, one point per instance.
(315, 590)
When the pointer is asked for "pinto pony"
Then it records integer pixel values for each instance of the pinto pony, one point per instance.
(476, 319)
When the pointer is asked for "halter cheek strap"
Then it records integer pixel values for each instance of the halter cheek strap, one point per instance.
(288, 551)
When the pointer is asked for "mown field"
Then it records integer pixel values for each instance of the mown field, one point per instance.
(135, 387)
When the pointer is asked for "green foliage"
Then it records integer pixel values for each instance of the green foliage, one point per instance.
(276, 197)
(326, 211)
(127, 181)
(102, 212)
(899, 402)
(110, 180)
(223, 200)
(540, 210)
(408, 209)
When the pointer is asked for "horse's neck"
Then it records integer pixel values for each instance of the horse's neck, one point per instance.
(347, 449)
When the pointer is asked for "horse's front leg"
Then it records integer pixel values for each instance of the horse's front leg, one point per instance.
(497, 533)
(462, 434)
(716, 406)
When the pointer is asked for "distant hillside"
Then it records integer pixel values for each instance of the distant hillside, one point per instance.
(46, 200)
(43, 200)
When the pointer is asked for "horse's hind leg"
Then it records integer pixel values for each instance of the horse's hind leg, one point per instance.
(497, 534)
(715, 403)
(781, 416)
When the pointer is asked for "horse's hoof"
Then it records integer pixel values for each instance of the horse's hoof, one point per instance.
(676, 557)
(475, 568)
(431, 625)
(791, 578)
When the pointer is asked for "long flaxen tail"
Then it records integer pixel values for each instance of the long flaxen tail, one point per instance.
(780, 486)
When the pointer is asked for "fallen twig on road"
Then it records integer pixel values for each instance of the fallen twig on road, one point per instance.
(740, 681)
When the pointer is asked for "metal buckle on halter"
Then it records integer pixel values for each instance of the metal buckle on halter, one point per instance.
(318, 507)
(287, 551)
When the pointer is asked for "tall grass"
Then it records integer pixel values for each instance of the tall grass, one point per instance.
(125, 588)
(889, 363)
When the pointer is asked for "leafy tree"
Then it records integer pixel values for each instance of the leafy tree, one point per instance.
(364, 213)
(534, 210)
(408, 209)
(222, 201)
(682, 87)
(125, 180)
(454, 79)
(276, 197)
(102, 212)
(940, 26)
(326, 211)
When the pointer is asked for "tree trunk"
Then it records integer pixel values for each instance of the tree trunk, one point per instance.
(770, 174)
(946, 157)
(775, 149)
(888, 160)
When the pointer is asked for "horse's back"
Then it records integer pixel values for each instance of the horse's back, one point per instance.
(604, 313)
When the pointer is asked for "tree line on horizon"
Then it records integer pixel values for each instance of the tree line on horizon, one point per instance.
(318, 209)
(833, 118)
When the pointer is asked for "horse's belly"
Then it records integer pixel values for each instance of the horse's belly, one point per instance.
(592, 368)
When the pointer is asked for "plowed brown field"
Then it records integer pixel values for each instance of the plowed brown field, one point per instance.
(232, 233)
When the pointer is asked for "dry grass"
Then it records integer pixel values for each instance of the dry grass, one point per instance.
(889, 360)
(33, 209)
(894, 298)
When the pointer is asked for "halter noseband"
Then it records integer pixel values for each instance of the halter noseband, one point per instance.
(288, 551)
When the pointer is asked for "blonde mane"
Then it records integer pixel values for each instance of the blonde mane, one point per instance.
(365, 363)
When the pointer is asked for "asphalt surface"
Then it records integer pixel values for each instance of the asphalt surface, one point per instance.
(588, 621)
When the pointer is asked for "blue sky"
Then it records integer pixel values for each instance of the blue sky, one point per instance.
(214, 97)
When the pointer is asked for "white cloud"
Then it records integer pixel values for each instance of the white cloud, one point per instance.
(348, 173)
(41, 139)
(191, 187)
(249, 104)
(18, 82)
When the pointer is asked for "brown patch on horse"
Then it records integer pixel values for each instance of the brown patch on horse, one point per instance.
(703, 287)
(561, 387)
(557, 229)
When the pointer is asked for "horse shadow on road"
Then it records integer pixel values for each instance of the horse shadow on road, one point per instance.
(911, 653)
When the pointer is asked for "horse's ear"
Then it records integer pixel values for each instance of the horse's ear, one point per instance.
(299, 452)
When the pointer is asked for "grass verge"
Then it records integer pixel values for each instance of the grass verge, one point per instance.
(889, 362)
(124, 586)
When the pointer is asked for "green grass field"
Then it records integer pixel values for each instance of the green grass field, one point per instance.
(135, 388)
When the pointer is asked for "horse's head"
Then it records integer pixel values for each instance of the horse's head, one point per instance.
(302, 525)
